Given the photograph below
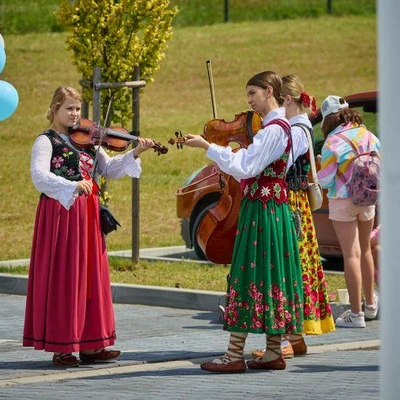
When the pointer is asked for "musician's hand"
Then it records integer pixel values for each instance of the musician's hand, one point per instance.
(196, 141)
(319, 159)
(85, 187)
(143, 145)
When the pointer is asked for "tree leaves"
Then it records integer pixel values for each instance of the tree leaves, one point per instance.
(117, 36)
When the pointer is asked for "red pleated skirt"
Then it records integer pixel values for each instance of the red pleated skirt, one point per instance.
(69, 303)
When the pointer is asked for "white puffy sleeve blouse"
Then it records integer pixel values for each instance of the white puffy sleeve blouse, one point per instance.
(268, 145)
(63, 190)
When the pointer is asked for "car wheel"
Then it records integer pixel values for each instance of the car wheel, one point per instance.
(197, 249)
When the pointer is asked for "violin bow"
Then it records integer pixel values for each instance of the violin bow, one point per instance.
(212, 92)
(103, 133)
(180, 139)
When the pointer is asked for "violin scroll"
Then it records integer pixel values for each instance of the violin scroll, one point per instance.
(159, 148)
(180, 139)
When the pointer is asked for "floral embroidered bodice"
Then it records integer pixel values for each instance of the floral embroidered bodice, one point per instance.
(270, 183)
(68, 162)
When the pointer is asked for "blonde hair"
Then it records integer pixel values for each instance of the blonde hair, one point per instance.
(59, 96)
(292, 86)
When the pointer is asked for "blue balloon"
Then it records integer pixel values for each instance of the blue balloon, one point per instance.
(2, 58)
(8, 100)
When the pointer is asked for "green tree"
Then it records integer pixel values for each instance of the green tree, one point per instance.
(117, 36)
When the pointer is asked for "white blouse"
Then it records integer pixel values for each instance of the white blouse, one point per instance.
(297, 131)
(268, 145)
(63, 190)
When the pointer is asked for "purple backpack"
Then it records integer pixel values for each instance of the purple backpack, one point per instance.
(363, 185)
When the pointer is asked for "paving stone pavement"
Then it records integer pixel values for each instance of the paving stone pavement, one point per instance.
(162, 348)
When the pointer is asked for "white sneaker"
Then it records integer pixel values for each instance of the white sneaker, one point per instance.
(350, 320)
(371, 312)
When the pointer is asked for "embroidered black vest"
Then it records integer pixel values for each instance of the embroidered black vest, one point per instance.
(65, 159)
(299, 181)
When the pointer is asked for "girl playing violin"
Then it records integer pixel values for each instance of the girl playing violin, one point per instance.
(69, 304)
(265, 292)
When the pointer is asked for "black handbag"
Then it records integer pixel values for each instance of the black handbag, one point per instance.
(107, 221)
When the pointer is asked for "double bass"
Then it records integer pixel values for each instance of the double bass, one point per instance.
(217, 230)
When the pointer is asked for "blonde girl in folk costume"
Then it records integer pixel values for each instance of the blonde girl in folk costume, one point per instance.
(318, 317)
(264, 291)
(69, 304)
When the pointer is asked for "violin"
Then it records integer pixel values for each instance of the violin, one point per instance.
(86, 134)
(240, 131)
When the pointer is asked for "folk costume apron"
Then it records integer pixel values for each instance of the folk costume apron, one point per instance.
(264, 291)
(318, 316)
(69, 305)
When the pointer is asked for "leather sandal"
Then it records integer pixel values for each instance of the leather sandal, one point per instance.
(299, 345)
(224, 365)
(103, 355)
(275, 364)
(278, 363)
(287, 352)
(65, 360)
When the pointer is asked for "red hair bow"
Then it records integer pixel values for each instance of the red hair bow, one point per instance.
(308, 101)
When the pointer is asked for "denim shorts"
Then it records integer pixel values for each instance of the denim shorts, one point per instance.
(344, 210)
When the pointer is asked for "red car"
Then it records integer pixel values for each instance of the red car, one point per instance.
(202, 191)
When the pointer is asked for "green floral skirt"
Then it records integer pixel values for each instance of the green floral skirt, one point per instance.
(264, 291)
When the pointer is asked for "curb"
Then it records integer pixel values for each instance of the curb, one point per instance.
(136, 294)
(150, 295)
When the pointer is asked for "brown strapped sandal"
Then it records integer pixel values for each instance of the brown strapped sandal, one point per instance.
(274, 345)
(298, 344)
(65, 360)
(102, 355)
(224, 365)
